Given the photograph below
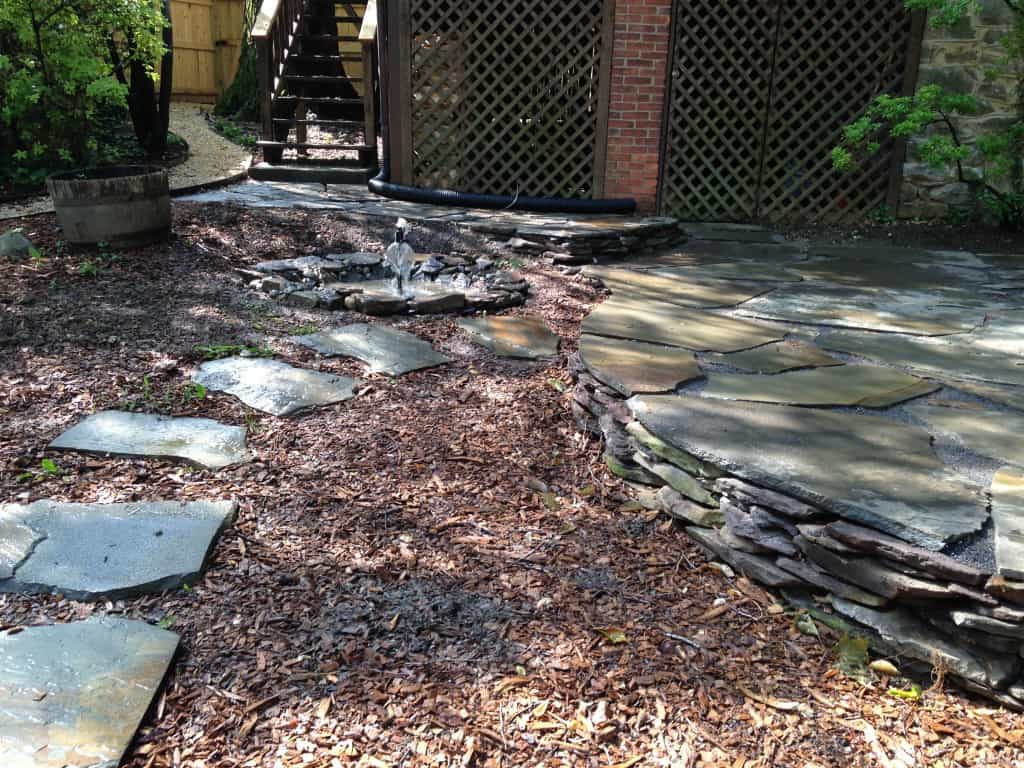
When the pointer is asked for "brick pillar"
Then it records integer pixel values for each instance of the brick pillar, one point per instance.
(639, 65)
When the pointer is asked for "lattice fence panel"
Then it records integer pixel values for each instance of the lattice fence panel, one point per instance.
(832, 59)
(718, 101)
(505, 95)
(759, 92)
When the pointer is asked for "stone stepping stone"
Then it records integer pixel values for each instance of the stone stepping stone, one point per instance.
(745, 233)
(272, 386)
(891, 311)
(950, 357)
(632, 367)
(1008, 515)
(868, 386)
(107, 551)
(659, 322)
(862, 468)
(509, 336)
(776, 358)
(994, 434)
(384, 349)
(682, 287)
(74, 694)
(202, 442)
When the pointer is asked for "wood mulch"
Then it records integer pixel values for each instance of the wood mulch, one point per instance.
(439, 572)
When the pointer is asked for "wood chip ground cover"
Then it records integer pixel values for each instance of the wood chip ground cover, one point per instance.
(430, 573)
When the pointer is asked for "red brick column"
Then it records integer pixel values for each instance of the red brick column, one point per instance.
(639, 65)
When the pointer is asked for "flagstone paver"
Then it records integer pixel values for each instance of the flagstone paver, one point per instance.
(382, 348)
(890, 478)
(950, 356)
(632, 367)
(776, 357)
(204, 442)
(912, 312)
(663, 323)
(985, 432)
(685, 288)
(868, 386)
(74, 694)
(273, 386)
(106, 551)
(1008, 516)
(510, 336)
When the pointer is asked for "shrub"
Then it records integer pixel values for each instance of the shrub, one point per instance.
(59, 92)
(930, 116)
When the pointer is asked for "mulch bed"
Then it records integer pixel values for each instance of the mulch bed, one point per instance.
(439, 572)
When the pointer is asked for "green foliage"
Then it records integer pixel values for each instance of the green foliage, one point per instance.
(218, 351)
(930, 119)
(59, 93)
(233, 132)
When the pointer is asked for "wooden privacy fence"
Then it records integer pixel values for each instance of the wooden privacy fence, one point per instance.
(500, 97)
(759, 91)
(207, 40)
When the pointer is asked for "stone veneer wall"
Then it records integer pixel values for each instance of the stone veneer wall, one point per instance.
(958, 59)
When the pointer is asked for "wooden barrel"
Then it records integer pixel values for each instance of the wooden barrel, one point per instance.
(123, 205)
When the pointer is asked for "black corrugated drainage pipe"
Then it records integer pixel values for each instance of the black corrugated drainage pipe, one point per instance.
(382, 184)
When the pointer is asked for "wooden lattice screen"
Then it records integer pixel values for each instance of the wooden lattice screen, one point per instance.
(759, 92)
(509, 97)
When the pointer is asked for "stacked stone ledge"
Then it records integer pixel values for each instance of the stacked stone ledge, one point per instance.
(586, 243)
(912, 602)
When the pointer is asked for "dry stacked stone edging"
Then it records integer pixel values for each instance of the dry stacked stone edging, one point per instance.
(910, 598)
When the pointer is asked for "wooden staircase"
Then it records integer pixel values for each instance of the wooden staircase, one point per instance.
(317, 66)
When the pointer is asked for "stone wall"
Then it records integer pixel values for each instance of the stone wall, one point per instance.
(958, 58)
(913, 603)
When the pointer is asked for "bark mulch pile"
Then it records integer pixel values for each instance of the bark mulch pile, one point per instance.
(439, 572)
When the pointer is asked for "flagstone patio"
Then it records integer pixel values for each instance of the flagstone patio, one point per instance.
(862, 385)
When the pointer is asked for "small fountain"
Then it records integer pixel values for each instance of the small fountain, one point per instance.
(397, 282)
(400, 258)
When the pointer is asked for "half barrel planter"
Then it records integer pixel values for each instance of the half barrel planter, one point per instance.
(123, 205)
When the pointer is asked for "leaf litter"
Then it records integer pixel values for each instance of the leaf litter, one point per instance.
(397, 589)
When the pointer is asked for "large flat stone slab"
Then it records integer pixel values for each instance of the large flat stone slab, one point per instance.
(676, 286)
(272, 386)
(868, 386)
(110, 551)
(863, 468)
(659, 322)
(1008, 516)
(949, 357)
(904, 633)
(777, 357)
(74, 694)
(510, 336)
(632, 367)
(203, 442)
(384, 349)
(994, 434)
(891, 311)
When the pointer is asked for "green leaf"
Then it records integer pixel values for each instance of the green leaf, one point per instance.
(50, 467)
(166, 622)
(913, 693)
(614, 635)
(853, 658)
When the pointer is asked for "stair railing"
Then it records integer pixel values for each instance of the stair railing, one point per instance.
(273, 34)
(368, 41)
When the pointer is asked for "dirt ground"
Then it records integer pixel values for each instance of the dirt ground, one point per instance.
(439, 572)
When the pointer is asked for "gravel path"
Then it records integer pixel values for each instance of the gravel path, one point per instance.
(212, 160)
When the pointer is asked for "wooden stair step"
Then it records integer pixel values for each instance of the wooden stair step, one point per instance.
(317, 121)
(318, 99)
(330, 38)
(309, 58)
(308, 145)
(327, 79)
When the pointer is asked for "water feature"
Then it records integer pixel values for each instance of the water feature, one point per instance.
(400, 258)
